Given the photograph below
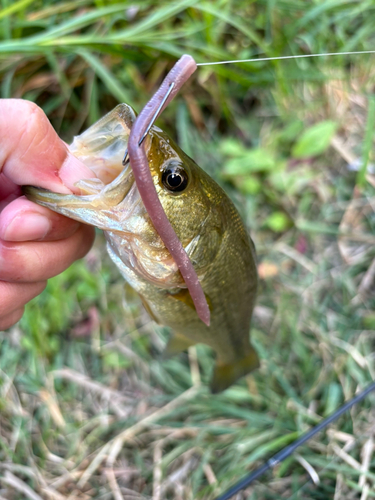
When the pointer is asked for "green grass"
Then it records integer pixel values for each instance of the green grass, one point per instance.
(88, 407)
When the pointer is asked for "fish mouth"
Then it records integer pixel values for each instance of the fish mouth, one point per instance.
(101, 148)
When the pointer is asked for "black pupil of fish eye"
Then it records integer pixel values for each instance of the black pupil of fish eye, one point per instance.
(175, 179)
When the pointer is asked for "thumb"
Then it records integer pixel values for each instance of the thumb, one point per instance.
(31, 152)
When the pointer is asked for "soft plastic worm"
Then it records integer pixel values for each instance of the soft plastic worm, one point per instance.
(178, 75)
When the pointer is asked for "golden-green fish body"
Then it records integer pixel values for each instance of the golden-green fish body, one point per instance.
(204, 219)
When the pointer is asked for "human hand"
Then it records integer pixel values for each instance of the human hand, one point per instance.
(35, 243)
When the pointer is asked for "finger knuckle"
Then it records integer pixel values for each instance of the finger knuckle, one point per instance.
(12, 264)
(23, 263)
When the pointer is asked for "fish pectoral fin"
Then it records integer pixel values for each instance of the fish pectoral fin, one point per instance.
(226, 374)
(184, 296)
(177, 344)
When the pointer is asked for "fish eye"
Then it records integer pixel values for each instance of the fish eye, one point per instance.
(175, 178)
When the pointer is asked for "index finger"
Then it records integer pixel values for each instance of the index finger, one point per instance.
(32, 153)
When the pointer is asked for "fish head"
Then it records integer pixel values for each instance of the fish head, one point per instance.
(111, 201)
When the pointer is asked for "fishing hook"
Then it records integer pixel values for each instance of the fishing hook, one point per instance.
(152, 121)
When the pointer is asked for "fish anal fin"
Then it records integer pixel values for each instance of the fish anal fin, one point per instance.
(226, 374)
(176, 344)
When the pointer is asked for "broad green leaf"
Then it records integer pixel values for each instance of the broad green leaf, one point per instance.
(278, 221)
(250, 185)
(255, 160)
(291, 131)
(315, 140)
(292, 182)
(232, 147)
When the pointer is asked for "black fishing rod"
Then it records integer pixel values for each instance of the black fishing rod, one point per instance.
(288, 450)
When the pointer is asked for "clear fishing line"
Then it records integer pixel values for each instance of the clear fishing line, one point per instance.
(298, 56)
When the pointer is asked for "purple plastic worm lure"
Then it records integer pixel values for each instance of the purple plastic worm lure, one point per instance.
(175, 79)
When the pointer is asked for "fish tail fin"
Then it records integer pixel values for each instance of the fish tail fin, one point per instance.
(226, 374)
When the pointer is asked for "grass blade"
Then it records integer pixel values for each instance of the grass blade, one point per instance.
(108, 78)
(14, 8)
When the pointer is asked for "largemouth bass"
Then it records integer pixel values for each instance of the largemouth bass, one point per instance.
(204, 219)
